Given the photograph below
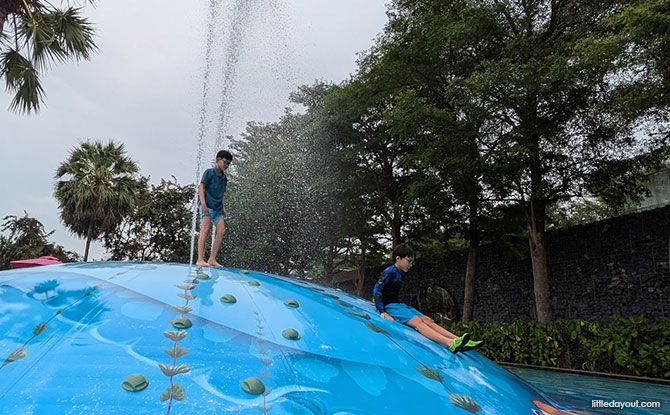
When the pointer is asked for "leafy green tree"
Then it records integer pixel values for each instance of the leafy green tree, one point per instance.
(34, 34)
(561, 139)
(636, 34)
(274, 224)
(354, 116)
(352, 228)
(520, 83)
(296, 204)
(96, 187)
(28, 239)
(159, 226)
(426, 58)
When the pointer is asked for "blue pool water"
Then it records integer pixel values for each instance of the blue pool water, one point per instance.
(152, 338)
(581, 390)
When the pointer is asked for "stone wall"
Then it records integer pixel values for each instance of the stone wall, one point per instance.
(616, 266)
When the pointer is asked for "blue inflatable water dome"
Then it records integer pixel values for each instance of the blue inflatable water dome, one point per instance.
(150, 338)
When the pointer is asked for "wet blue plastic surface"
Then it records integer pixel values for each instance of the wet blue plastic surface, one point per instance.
(343, 363)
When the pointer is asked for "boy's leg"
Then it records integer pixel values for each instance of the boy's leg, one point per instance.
(446, 333)
(205, 226)
(470, 345)
(220, 230)
(420, 325)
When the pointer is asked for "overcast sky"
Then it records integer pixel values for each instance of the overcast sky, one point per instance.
(144, 88)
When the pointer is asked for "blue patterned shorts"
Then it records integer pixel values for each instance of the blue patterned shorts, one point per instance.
(401, 312)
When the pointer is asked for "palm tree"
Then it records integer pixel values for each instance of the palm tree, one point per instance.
(95, 188)
(34, 34)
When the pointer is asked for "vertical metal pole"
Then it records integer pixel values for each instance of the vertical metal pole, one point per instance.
(195, 210)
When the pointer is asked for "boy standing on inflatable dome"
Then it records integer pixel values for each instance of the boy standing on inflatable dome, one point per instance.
(389, 306)
(210, 195)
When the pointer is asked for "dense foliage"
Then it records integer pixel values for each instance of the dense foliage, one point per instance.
(25, 239)
(159, 226)
(291, 203)
(630, 346)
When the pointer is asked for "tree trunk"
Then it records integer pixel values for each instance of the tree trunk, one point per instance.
(88, 240)
(538, 256)
(327, 263)
(393, 195)
(470, 272)
(361, 269)
(395, 229)
(535, 221)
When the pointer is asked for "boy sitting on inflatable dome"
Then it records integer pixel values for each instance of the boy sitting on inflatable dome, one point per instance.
(389, 306)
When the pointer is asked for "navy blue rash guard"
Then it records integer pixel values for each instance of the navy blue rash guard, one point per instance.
(387, 288)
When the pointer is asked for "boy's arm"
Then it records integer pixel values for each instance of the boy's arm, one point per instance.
(222, 208)
(201, 196)
(377, 291)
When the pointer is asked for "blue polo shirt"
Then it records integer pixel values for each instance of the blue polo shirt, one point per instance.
(215, 186)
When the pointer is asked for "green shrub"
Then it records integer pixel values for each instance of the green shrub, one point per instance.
(631, 346)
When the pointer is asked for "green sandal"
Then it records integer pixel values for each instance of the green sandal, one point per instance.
(458, 343)
(472, 345)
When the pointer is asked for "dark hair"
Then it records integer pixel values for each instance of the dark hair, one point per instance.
(402, 251)
(223, 154)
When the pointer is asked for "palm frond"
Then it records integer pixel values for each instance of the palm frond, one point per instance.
(97, 185)
(43, 34)
(44, 44)
(22, 79)
(74, 32)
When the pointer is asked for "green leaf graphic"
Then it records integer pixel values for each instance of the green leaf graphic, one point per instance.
(175, 392)
(362, 315)
(465, 402)
(39, 329)
(375, 328)
(170, 370)
(176, 351)
(175, 335)
(183, 309)
(17, 354)
(429, 373)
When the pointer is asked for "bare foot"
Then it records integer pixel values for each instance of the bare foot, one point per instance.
(213, 263)
(201, 263)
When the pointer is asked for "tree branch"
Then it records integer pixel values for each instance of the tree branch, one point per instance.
(508, 16)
